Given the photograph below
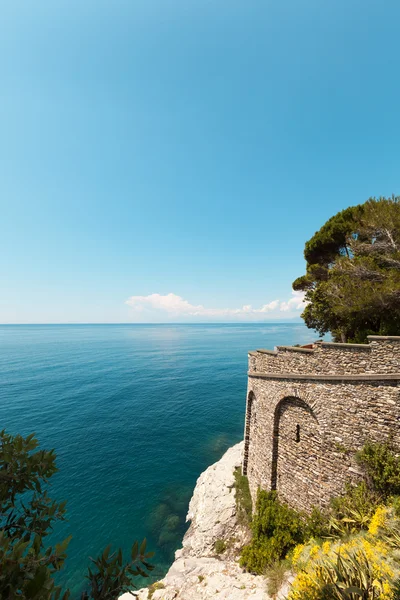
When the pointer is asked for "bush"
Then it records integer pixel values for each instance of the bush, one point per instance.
(395, 503)
(352, 571)
(317, 525)
(219, 546)
(276, 529)
(243, 498)
(364, 560)
(353, 511)
(382, 467)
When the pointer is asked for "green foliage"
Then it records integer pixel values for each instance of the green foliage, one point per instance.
(352, 279)
(112, 577)
(362, 557)
(352, 512)
(349, 578)
(276, 529)
(316, 525)
(243, 497)
(220, 546)
(395, 503)
(28, 514)
(382, 467)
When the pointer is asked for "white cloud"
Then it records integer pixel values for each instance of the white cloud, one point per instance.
(295, 303)
(174, 306)
(271, 306)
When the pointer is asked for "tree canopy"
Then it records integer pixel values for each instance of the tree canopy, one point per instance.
(28, 514)
(352, 279)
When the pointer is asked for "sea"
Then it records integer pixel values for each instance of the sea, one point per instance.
(135, 413)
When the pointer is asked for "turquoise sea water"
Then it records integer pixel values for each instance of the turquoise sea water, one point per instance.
(135, 413)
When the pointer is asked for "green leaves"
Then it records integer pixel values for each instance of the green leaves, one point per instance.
(27, 515)
(110, 577)
(276, 529)
(244, 505)
(21, 468)
(352, 512)
(351, 577)
(134, 551)
(352, 279)
(382, 467)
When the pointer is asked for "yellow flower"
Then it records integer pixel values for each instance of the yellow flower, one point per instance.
(314, 561)
(304, 582)
(378, 520)
(387, 592)
(326, 546)
(297, 553)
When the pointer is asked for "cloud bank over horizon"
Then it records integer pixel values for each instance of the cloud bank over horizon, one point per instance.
(170, 306)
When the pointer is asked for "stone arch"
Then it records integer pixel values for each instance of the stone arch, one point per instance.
(296, 452)
(249, 408)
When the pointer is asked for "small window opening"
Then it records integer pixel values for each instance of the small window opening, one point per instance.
(297, 433)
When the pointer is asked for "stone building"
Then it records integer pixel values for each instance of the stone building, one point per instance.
(310, 409)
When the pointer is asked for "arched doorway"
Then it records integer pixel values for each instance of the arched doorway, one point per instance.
(296, 454)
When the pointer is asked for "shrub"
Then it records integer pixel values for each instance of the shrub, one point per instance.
(382, 467)
(353, 511)
(219, 546)
(243, 497)
(317, 525)
(358, 568)
(395, 502)
(276, 529)
(352, 576)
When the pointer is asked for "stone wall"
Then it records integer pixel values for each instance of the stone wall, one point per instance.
(310, 409)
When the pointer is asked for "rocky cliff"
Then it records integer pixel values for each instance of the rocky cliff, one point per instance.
(198, 573)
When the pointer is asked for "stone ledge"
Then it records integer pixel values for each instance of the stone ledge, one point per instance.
(271, 352)
(394, 338)
(296, 349)
(311, 377)
(342, 345)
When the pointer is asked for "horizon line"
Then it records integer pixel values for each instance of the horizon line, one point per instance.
(276, 321)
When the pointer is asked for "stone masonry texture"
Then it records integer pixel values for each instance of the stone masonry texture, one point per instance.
(310, 409)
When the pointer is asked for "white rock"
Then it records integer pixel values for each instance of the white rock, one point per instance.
(212, 508)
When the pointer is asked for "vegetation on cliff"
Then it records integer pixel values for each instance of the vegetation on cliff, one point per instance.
(276, 529)
(27, 516)
(348, 552)
(352, 280)
(243, 497)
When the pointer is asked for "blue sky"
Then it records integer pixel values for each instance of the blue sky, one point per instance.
(177, 154)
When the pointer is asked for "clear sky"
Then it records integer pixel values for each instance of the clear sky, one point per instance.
(166, 160)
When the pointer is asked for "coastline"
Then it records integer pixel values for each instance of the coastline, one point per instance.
(198, 572)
